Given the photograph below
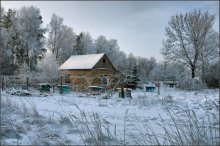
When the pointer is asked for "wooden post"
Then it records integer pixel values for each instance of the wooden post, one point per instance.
(0, 88)
(122, 92)
(2, 83)
(158, 86)
(27, 82)
(122, 88)
(53, 87)
(61, 84)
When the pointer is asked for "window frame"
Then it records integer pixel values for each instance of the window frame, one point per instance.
(105, 80)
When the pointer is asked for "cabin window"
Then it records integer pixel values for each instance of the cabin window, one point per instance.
(103, 60)
(67, 78)
(105, 80)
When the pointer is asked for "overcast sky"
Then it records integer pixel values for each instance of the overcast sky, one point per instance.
(137, 25)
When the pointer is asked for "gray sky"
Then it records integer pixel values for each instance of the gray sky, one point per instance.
(137, 25)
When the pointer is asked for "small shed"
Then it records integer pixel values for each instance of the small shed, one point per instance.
(84, 71)
(150, 88)
(44, 87)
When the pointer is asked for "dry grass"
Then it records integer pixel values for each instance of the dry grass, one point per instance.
(183, 128)
(95, 130)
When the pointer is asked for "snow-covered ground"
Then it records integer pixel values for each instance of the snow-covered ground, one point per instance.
(75, 118)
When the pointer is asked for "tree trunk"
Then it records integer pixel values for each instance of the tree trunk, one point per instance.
(203, 72)
(193, 71)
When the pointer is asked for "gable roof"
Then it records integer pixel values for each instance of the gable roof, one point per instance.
(82, 61)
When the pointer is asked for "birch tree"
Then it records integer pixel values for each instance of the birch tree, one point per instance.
(186, 35)
(31, 35)
(55, 34)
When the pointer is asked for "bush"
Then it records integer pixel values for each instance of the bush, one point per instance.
(212, 76)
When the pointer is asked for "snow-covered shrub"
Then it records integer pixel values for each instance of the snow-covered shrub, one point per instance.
(212, 75)
(191, 84)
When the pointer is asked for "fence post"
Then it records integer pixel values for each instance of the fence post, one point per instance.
(61, 83)
(122, 92)
(158, 85)
(27, 82)
(122, 87)
(0, 88)
(53, 87)
(2, 83)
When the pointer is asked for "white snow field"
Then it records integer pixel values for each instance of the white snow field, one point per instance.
(173, 117)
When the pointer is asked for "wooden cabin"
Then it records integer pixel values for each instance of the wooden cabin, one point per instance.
(82, 71)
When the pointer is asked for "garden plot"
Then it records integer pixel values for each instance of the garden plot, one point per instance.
(75, 119)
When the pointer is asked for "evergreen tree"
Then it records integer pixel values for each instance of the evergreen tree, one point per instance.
(135, 78)
(8, 41)
(7, 19)
(84, 44)
(78, 46)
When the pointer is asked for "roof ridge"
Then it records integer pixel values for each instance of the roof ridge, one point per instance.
(82, 61)
(88, 54)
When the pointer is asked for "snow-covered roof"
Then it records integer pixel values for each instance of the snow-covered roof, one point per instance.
(82, 61)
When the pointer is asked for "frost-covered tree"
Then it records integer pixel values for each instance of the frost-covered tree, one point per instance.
(23, 72)
(135, 77)
(87, 43)
(101, 44)
(77, 46)
(131, 62)
(186, 36)
(120, 61)
(31, 35)
(145, 65)
(8, 41)
(55, 29)
(62, 39)
(111, 48)
(67, 44)
(6, 53)
(209, 52)
(84, 44)
(7, 18)
(48, 67)
(168, 71)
